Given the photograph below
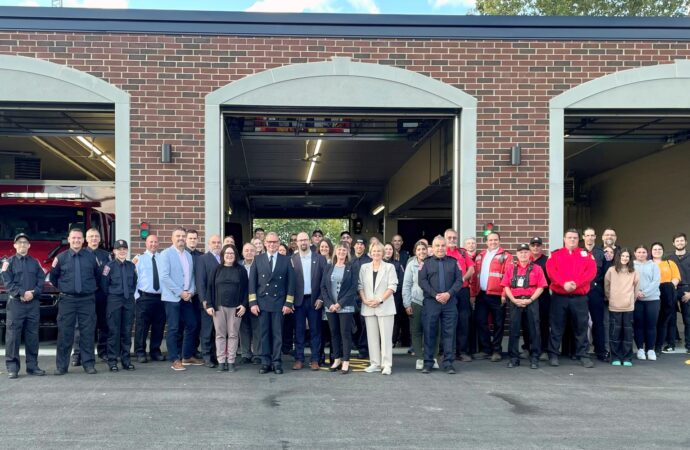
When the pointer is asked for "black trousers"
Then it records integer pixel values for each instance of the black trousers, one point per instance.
(521, 318)
(489, 342)
(22, 316)
(667, 313)
(576, 306)
(462, 331)
(288, 333)
(207, 337)
(433, 314)
(73, 310)
(359, 337)
(271, 324)
(544, 330)
(250, 336)
(120, 320)
(597, 306)
(101, 336)
(621, 335)
(340, 325)
(685, 313)
(401, 323)
(150, 315)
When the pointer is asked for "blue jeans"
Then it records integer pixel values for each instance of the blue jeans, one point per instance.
(176, 313)
(303, 313)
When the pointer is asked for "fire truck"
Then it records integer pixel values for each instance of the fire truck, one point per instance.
(47, 215)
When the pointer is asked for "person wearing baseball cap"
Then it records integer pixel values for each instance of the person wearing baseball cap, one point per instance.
(537, 249)
(316, 238)
(119, 282)
(523, 283)
(23, 278)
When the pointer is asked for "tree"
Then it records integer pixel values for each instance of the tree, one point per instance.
(285, 227)
(645, 8)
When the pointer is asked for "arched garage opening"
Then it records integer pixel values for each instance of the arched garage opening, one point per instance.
(325, 105)
(619, 149)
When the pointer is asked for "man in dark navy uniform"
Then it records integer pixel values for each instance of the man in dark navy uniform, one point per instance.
(271, 296)
(93, 242)
(204, 266)
(74, 274)
(119, 282)
(23, 278)
(191, 242)
(441, 281)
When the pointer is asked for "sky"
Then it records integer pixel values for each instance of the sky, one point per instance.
(446, 7)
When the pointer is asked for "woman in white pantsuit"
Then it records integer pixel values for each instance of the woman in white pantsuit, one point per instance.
(377, 283)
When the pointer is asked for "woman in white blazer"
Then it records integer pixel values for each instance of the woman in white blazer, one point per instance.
(377, 283)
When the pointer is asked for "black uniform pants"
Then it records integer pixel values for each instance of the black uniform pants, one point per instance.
(250, 336)
(621, 335)
(73, 310)
(101, 329)
(519, 317)
(359, 337)
(597, 306)
(288, 333)
(271, 324)
(490, 342)
(667, 313)
(120, 318)
(576, 306)
(401, 323)
(544, 330)
(150, 314)
(434, 313)
(22, 316)
(207, 336)
(462, 331)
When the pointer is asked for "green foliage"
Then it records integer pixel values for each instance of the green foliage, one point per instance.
(640, 8)
(284, 227)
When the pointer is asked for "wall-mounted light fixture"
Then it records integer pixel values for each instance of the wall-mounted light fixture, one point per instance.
(166, 153)
(378, 209)
(515, 155)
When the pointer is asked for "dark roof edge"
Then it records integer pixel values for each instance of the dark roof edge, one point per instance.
(342, 25)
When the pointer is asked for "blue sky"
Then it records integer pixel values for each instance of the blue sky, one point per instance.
(334, 6)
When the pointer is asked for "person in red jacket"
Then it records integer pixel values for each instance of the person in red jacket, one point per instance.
(571, 270)
(490, 265)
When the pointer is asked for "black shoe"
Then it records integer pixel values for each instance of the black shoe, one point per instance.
(668, 349)
(534, 364)
(256, 360)
(128, 366)
(157, 357)
(335, 369)
(13, 375)
(223, 367)
(142, 359)
(36, 372)
(450, 370)
(264, 369)
(278, 370)
(76, 362)
(553, 361)
(426, 369)
(513, 363)
(90, 370)
(59, 372)
(586, 362)
(113, 369)
(230, 367)
(604, 357)
(246, 360)
(210, 364)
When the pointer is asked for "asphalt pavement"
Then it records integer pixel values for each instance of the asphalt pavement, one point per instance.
(485, 405)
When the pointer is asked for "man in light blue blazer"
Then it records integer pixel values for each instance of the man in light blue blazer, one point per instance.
(177, 288)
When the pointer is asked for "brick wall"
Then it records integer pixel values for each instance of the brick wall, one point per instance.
(168, 77)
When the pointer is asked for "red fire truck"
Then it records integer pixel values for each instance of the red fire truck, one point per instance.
(47, 218)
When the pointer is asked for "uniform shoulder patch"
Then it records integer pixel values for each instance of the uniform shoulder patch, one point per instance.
(55, 262)
(5, 266)
(106, 270)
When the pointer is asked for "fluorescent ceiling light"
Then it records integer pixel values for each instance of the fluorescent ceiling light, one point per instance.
(378, 209)
(313, 161)
(88, 144)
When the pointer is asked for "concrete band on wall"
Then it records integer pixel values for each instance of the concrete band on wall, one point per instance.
(345, 84)
(664, 86)
(25, 79)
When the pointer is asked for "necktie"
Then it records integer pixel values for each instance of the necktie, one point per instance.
(441, 277)
(77, 274)
(270, 261)
(156, 281)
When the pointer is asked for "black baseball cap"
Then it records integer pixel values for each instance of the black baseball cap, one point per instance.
(317, 231)
(523, 247)
(120, 243)
(343, 233)
(360, 240)
(22, 235)
(535, 240)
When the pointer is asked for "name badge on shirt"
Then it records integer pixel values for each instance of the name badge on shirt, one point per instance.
(521, 282)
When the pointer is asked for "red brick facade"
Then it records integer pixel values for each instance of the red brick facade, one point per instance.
(169, 76)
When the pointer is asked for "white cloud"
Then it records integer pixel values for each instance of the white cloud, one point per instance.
(292, 6)
(367, 6)
(110, 4)
(437, 4)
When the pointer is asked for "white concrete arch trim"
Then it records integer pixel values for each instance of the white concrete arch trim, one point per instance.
(24, 79)
(663, 86)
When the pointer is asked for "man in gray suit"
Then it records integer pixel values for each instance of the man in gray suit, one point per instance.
(309, 267)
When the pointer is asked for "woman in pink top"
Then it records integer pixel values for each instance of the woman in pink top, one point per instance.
(621, 285)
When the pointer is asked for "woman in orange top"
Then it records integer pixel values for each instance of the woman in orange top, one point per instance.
(670, 277)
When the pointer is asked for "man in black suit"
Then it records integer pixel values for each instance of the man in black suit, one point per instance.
(271, 296)
(203, 270)
(441, 281)
(191, 241)
(309, 267)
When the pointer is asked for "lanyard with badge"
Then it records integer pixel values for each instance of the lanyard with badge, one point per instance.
(521, 281)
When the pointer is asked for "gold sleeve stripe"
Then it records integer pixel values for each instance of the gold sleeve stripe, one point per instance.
(252, 297)
(290, 299)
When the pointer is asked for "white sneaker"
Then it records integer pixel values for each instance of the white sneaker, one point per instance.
(386, 371)
(372, 369)
(436, 366)
(641, 355)
(651, 355)
(419, 365)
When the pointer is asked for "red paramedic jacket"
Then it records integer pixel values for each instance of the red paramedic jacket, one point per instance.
(576, 265)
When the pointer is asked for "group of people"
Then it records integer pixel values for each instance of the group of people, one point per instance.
(448, 301)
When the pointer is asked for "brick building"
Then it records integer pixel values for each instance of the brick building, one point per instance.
(591, 110)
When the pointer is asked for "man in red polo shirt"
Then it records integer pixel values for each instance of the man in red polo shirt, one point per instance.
(523, 283)
(466, 266)
(571, 270)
